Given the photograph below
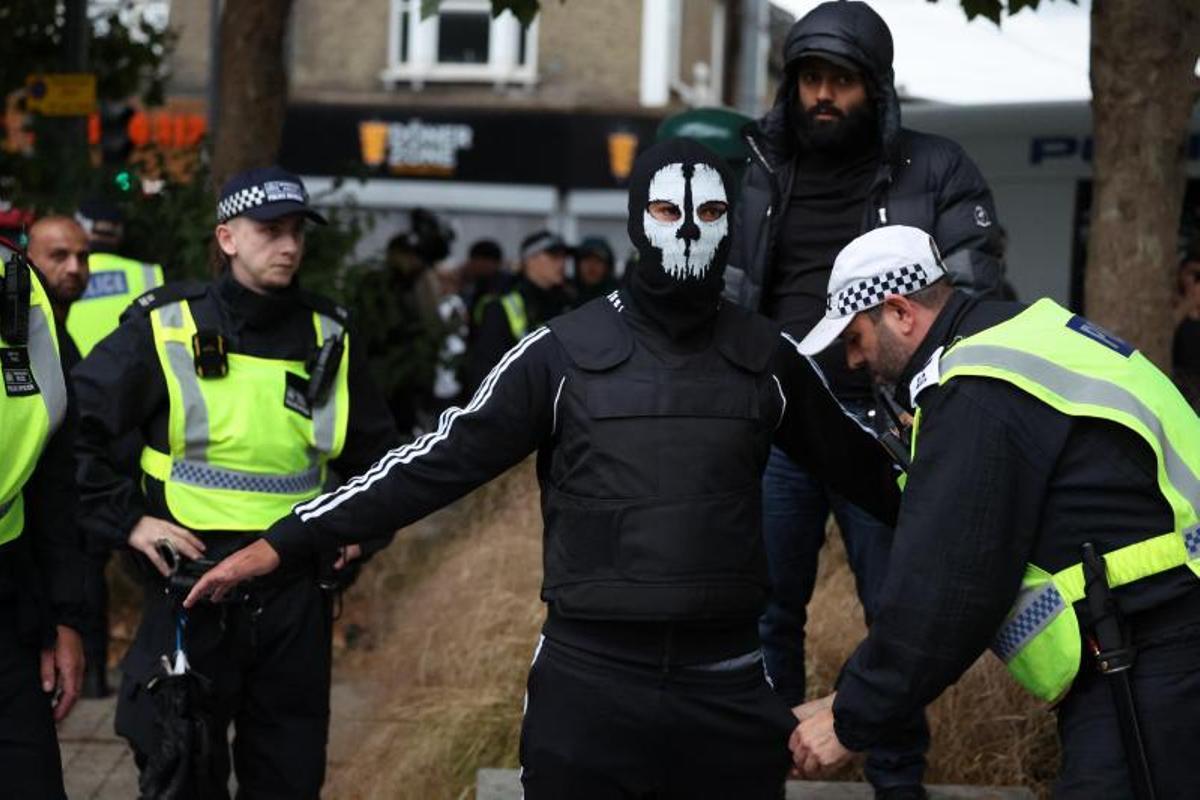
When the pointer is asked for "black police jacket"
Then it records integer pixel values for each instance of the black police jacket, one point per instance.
(616, 412)
(1001, 479)
(121, 388)
(923, 180)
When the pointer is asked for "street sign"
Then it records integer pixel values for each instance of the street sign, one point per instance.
(61, 94)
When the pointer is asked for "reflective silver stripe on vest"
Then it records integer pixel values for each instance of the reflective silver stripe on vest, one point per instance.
(183, 366)
(1077, 388)
(197, 473)
(324, 416)
(149, 277)
(195, 412)
(1036, 607)
(47, 369)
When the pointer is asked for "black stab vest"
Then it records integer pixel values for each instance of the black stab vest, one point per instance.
(651, 490)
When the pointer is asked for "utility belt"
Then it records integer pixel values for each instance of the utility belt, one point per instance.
(186, 572)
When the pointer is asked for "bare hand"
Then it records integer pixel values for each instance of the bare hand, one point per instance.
(347, 554)
(249, 562)
(815, 746)
(62, 671)
(809, 709)
(149, 531)
(803, 712)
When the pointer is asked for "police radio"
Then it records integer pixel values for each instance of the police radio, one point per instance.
(15, 287)
(322, 369)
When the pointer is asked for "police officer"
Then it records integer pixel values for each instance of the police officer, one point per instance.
(60, 250)
(1036, 433)
(500, 320)
(247, 392)
(114, 281)
(652, 411)
(41, 564)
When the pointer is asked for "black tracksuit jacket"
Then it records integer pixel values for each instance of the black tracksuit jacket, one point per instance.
(1000, 479)
(515, 413)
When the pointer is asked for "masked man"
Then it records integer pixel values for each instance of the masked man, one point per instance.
(652, 412)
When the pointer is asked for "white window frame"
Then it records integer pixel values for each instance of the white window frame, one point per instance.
(422, 65)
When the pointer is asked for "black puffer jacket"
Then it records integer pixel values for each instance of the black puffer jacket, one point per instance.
(923, 180)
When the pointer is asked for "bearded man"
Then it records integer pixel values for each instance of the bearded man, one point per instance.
(652, 411)
(829, 162)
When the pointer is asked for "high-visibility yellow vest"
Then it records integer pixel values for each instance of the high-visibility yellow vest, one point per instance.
(1081, 370)
(246, 447)
(514, 311)
(113, 284)
(32, 406)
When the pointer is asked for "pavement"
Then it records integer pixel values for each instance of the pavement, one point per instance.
(98, 765)
(504, 784)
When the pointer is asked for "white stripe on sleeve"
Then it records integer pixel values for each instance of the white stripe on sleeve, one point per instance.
(406, 453)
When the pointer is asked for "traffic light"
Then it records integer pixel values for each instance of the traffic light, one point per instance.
(115, 144)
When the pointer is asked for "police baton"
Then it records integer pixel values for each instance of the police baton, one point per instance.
(1114, 652)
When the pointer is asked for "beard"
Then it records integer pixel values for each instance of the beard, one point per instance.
(893, 356)
(850, 132)
(66, 292)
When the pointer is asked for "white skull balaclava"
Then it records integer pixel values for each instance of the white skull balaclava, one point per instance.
(688, 244)
(679, 275)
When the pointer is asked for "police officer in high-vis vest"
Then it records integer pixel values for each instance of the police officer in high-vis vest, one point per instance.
(41, 562)
(114, 281)
(652, 412)
(501, 319)
(247, 392)
(1049, 511)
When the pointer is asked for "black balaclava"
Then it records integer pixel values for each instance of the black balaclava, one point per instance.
(680, 270)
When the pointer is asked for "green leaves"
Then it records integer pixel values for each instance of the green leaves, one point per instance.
(994, 9)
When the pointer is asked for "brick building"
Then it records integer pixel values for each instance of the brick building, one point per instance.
(499, 128)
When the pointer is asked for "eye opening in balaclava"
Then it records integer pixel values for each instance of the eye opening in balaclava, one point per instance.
(680, 201)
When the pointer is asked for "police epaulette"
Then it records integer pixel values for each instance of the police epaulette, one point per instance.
(165, 295)
(324, 305)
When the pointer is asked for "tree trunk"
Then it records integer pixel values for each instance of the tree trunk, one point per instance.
(1143, 59)
(253, 86)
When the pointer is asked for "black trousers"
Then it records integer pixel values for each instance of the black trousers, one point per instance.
(30, 765)
(267, 661)
(95, 596)
(1167, 693)
(599, 729)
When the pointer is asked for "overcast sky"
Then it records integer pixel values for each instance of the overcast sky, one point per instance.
(1035, 55)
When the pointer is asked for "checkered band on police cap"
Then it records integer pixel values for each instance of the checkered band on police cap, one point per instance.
(894, 259)
(871, 292)
(239, 202)
(264, 193)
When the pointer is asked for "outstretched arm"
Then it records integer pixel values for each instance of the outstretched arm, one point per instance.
(507, 419)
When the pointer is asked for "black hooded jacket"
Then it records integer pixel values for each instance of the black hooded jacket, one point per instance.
(923, 180)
